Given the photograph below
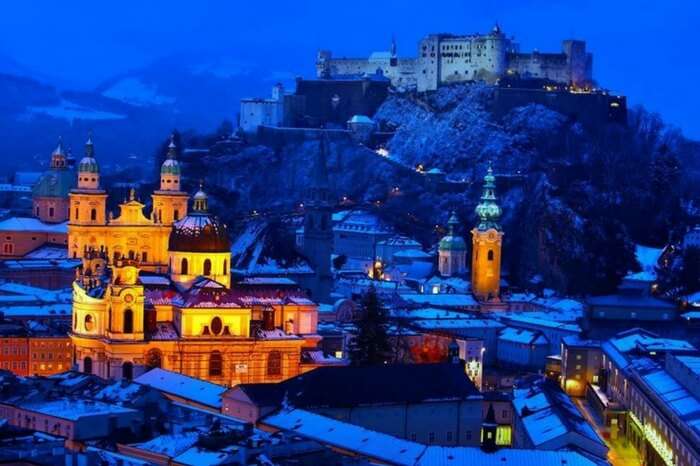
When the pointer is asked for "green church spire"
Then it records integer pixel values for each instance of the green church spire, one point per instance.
(488, 210)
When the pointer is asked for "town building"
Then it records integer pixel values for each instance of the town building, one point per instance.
(445, 408)
(522, 349)
(581, 363)
(546, 419)
(649, 396)
(448, 58)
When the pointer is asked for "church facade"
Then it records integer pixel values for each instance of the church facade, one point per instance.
(157, 292)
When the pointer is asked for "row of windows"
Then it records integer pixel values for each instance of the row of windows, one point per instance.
(51, 211)
(274, 364)
(206, 270)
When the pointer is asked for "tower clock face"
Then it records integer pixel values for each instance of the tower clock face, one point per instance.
(128, 298)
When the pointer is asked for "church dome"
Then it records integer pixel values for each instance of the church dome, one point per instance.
(452, 242)
(199, 231)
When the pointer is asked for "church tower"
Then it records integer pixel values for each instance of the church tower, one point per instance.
(88, 202)
(170, 202)
(318, 226)
(452, 251)
(125, 297)
(486, 243)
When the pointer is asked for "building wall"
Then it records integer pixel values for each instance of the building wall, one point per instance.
(580, 366)
(50, 209)
(27, 356)
(16, 244)
(14, 355)
(440, 423)
(523, 355)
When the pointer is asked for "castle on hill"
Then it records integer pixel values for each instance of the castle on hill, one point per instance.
(450, 58)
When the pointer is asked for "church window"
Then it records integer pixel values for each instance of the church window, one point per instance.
(274, 363)
(128, 321)
(176, 214)
(490, 255)
(93, 214)
(225, 267)
(144, 256)
(8, 248)
(89, 323)
(183, 266)
(37, 211)
(128, 370)
(207, 267)
(153, 359)
(216, 325)
(87, 365)
(132, 255)
(76, 213)
(215, 363)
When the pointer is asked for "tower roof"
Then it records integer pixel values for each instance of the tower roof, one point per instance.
(488, 210)
(171, 166)
(88, 164)
(452, 242)
(58, 156)
(199, 231)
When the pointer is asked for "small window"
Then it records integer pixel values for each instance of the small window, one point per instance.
(93, 214)
(88, 323)
(274, 363)
(490, 255)
(128, 321)
(207, 267)
(215, 364)
(183, 266)
(51, 211)
(216, 325)
(176, 215)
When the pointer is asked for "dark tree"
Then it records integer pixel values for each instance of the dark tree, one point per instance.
(371, 344)
(689, 273)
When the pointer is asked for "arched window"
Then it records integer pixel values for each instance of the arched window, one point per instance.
(215, 364)
(51, 211)
(207, 267)
(37, 211)
(225, 267)
(89, 324)
(183, 266)
(128, 321)
(274, 363)
(176, 215)
(153, 359)
(216, 325)
(77, 214)
(128, 370)
(132, 255)
(93, 214)
(490, 255)
(87, 365)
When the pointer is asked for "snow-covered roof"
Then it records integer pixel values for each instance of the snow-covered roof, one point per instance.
(182, 386)
(23, 224)
(73, 410)
(169, 445)
(48, 310)
(361, 119)
(444, 300)
(196, 456)
(527, 337)
(402, 452)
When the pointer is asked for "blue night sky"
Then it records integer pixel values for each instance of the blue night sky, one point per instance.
(643, 49)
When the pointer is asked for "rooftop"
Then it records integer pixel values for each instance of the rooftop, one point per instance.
(182, 386)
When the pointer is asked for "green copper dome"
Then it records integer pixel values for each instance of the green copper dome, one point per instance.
(171, 166)
(452, 242)
(54, 183)
(488, 210)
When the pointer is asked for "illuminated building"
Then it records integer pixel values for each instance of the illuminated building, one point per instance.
(649, 393)
(131, 235)
(158, 293)
(486, 244)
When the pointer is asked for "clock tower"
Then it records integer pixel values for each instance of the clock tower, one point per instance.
(486, 244)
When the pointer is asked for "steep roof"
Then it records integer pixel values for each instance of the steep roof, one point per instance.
(356, 386)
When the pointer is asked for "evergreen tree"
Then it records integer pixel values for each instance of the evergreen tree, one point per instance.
(371, 344)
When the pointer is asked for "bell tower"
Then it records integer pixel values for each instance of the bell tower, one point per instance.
(125, 298)
(452, 251)
(170, 202)
(486, 244)
(88, 204)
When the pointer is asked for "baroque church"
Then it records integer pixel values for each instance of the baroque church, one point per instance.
(157, 291)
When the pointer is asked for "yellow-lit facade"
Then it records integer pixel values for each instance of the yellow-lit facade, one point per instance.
(487, 239)
(157, 292)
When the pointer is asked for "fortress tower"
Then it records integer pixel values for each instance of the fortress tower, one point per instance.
(486, 244)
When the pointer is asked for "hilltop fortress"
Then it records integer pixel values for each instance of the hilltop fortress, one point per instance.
(449, 58)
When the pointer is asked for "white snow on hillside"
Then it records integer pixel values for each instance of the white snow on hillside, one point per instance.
(223, 68)
(135, 92)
